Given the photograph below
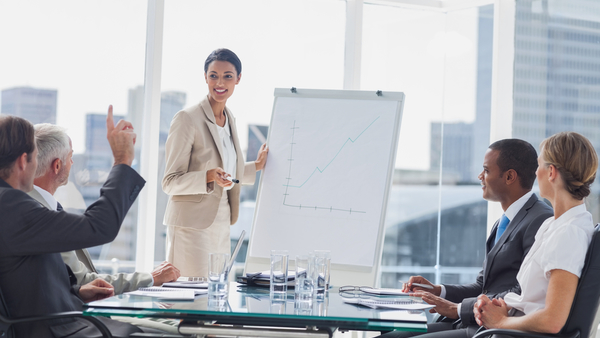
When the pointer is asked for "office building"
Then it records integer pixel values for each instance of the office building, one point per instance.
(557, 73)
(33, 104)
(557, 70)
(410, 244)
(89, 172)
(483, 91)
(457, 150)
(170, 103)
(464, 144)
(95, 133)
(452, 149)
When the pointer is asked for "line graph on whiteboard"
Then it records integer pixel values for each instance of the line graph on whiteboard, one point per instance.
(291, 184)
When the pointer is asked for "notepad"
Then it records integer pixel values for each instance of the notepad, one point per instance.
(197, 291)
(164, 294)
(385, 292)
(186, 285)
(398, 304)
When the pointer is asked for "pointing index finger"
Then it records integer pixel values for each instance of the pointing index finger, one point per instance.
(110, 123)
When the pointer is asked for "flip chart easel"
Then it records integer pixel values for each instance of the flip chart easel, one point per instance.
(327, 179)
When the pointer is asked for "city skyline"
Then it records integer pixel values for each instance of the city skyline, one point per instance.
(96, 64)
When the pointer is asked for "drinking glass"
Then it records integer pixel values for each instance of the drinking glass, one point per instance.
(279, 274)
(217, 276)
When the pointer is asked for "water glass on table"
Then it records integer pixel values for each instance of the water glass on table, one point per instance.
(304, 286)
(277, 306)
(303, 308)
(279, 274)
(217, 276)
(321, 272)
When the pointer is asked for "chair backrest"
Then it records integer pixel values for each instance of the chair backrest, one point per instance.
(5, 327)
(587, 296)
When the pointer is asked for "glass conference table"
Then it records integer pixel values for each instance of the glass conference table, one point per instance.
(250, 312)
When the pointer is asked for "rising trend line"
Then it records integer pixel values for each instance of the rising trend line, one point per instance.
(334, 157)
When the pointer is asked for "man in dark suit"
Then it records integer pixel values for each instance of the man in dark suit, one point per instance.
(508, 174)
(33, 277)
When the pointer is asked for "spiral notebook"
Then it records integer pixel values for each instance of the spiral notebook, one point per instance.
(196, 292)
(399, 304)
(161, 293)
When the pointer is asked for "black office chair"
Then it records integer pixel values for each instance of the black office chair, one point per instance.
(583, 311)
(6, 323)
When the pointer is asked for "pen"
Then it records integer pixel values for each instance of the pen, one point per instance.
(229, 178)
(424, 286)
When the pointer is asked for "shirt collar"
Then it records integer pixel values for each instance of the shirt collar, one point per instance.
(517, 205)
(48, 197)
(226, 126)
(576, 210)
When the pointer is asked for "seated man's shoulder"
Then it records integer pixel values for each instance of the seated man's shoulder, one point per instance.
(542, 205)
(11, 198)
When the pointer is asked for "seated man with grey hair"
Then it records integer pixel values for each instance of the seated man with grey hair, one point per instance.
(55, 157)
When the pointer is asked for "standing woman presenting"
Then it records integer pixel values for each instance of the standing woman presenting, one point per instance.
(202, 152)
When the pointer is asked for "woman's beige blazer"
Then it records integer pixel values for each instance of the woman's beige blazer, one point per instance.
(193, 147)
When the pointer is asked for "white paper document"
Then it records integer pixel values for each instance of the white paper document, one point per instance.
(385, 292)
(198, 291)
(398, 304)
(187, 285)
(167, 293)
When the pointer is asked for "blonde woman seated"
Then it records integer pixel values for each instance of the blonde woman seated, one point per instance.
(550, 272)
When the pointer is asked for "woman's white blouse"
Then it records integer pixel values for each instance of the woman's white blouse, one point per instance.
(229, 154)
(559, 244)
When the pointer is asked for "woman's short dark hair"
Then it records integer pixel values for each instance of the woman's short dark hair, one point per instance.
(518, 155)
(16, 138)
(224, 54)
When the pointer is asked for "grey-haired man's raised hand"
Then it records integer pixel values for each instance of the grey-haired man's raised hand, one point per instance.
(121, 138)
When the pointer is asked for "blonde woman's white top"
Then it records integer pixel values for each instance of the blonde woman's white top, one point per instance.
(559, 244)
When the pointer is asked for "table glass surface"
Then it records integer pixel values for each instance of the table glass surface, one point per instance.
(253, 306)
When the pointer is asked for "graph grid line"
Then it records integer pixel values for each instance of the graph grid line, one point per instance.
(317, 169)
(333, 159)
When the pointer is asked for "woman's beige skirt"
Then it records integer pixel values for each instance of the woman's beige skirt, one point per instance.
(188, 248)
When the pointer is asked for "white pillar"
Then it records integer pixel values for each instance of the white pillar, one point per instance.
(502, 82)
(353, 44)
(149, 137)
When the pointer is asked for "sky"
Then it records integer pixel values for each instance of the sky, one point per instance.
(93, 52)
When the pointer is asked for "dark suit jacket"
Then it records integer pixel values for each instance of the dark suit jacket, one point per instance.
(33, 276)
(502, 261)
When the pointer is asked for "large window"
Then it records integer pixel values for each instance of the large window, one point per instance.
(64, 62)
(281, 44)
(557, 73)
(436, 220)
